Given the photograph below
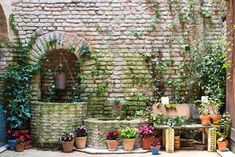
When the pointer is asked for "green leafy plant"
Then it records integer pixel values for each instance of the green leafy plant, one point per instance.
(129, 133)
(175, 121)
(224, 127)
(205, 12)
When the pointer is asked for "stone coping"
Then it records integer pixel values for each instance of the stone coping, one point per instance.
(101, 120)
(57, 103)
(106, 151)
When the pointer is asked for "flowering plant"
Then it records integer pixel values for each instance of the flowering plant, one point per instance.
(67, 137)
(112, 135)
(12, 134)
(155, 143)
(20, 140)
(80, 131)
(146, 130)
(27, 137)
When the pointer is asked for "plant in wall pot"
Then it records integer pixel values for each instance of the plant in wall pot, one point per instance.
(111, 137)
(146, 132)
(12, 135)
(224, 128)
(20, 142)
(80, 136)
(129, 137)
(67, 140)
(155, 147)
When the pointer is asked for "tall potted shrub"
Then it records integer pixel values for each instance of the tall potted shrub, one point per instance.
(224, 128)
(67, 141)
(146, 132)
(80, 136)
(111, 137)
(129, 137)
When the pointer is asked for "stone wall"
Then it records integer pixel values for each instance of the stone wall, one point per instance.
(50, 120)
(118, 32)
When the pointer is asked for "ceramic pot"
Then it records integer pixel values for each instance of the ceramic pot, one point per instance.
(205, 120)
(222, 145)
(80, 142)
(11, 144)
(112, 144)
(20, 147)
(67, 146)
(128, 144)
(146, 142)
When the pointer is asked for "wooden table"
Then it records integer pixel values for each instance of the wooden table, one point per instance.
(208, 136)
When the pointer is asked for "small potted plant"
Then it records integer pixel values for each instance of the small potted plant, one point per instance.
(129, 137)
(80, 136)
(111, 137)
(27, 141)
(12, 135)
(204, 113)
(215, 106)
(224, 128)
(146, 132)
(67, 140)
(157, 136)
(155, 147)
(20, 142)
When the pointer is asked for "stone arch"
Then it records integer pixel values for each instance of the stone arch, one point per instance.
(56, 40)
(53, 41)
(3, 26)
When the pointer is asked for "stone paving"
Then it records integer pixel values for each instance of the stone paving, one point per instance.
(39, 153)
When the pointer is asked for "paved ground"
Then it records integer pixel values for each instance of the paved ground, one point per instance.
(39, 153)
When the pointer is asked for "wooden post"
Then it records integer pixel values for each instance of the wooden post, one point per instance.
(230, 83)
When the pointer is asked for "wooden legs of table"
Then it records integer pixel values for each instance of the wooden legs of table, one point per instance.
(170, 140)
(211, 147)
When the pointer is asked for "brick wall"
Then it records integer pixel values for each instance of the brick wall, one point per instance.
(118, 30)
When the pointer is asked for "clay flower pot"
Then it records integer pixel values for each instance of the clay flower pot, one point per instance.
(222, 145)
(177, 142)
(205, 120)
(215, 119)
(112, 144)
(67, 146)
(20, 147)
(146, 142)
(80, 142)
(27, 144)
(128, 144)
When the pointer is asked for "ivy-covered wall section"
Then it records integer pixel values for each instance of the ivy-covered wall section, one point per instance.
(138, 50)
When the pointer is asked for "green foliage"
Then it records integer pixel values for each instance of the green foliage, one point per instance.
(129, 133)
(85, 51)
(205, 12)
(224, 127)
(175, 121)
(16, 82)
(116, 101)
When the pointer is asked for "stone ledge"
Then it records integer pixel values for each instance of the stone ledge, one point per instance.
(106, 151)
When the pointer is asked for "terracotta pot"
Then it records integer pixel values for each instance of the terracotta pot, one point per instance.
(177, 146)
(215, 119)
(19, 147)
(80, 142)
(222, 145)
(177, 138)
(27, 144)
(67, 146)
(112, 144)
(128, 144)
(205, 120)
(146, 142)
(25, 131)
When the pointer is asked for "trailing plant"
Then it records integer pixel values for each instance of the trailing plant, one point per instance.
(17, 79)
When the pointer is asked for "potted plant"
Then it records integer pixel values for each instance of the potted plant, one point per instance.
(12, 135)
(129, 137)
(155, 147)
(67, 140)
(215, 106)
(20, 142)
(146, 132)
(157, 136)
(27, 141)
(111, 137)
(223, 133)
(80, 136)
(204, 113)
